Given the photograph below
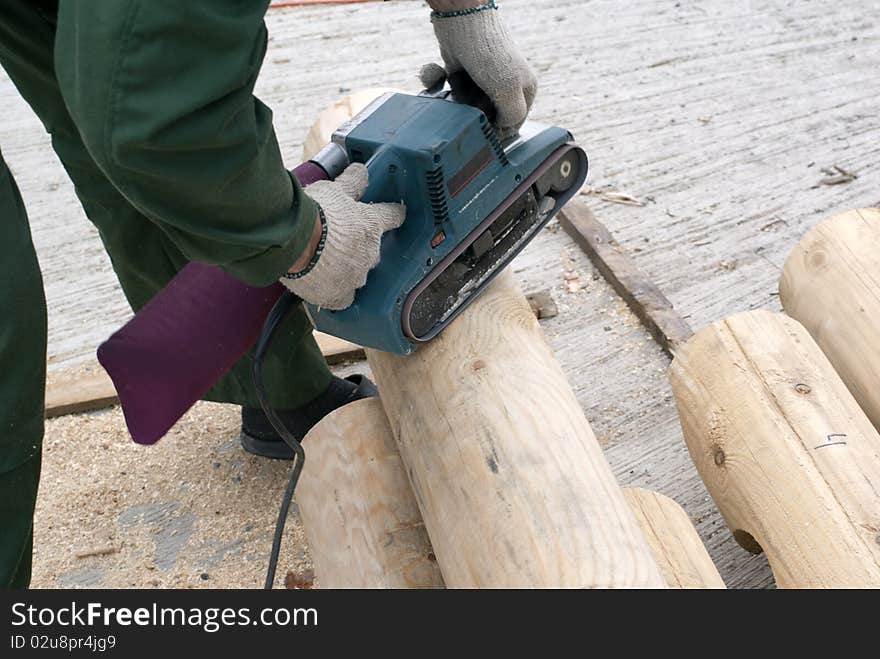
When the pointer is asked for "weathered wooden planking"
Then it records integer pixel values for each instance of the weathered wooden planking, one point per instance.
(647, 301)
(92, 389)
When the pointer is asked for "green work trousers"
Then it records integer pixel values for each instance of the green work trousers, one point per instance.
(150, 107)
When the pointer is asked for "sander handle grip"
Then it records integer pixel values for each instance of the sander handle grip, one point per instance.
(468, 92)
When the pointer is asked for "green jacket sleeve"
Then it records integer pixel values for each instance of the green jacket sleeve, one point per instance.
(162, 94)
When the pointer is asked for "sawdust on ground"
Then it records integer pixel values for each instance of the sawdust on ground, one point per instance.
(193, 511)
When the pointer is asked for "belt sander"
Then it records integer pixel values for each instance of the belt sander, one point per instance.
(473, 202)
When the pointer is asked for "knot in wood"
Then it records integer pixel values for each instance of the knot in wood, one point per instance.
(478, 365)
(802, 388)
(719, 457)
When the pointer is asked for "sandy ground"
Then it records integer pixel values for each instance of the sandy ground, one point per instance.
(193, 511)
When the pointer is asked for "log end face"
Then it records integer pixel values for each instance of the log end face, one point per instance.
(673, 540)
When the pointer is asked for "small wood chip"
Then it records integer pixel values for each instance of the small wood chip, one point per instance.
(836, 180)
(105, 551)
(542, 305)
(613, 196)
(837, 175)
(775, 224)
(570, 276)
(300, 581)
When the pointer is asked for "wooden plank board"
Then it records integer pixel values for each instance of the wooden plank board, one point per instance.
(646, 300)
(336, 350)
(84, 391)
(91, 389)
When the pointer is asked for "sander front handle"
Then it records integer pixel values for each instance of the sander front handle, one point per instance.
(187, 337)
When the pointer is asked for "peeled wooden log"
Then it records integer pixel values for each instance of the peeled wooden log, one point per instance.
(528, 498)
(787, 454)
(512, 485)
(365, 530)
(677, 548)
(831, 284)
(357, 507)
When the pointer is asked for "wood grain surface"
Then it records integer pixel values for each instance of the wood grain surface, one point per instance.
(674, 542)
(831, 284)
(357, 507)
(787, 453)
(512, 485)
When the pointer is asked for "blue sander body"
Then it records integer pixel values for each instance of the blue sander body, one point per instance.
(473, 202)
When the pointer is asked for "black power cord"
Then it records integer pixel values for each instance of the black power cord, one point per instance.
(284, 304)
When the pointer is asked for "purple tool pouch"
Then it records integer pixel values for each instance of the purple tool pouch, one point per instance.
(185, 339)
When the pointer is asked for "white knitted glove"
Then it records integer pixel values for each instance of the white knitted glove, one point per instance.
(351, 243)
(477, 42)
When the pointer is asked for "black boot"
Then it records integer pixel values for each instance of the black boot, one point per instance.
(259, 437)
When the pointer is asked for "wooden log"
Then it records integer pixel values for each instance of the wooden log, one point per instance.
(512, 485)
(621, 556)
(786, 452)
(357, 507)
(673, 540)
(831, 284)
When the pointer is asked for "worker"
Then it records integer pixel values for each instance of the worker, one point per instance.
(150, 107)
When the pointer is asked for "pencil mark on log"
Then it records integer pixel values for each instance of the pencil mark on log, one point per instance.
(829, 441)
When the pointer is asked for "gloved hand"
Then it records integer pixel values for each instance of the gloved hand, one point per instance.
(350, 246)
(476, 41)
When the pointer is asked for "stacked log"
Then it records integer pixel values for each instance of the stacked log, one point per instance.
(359, 512)
(831, 284)
(786, 452)
(673, 540)
(512, 484)
(480, 444)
